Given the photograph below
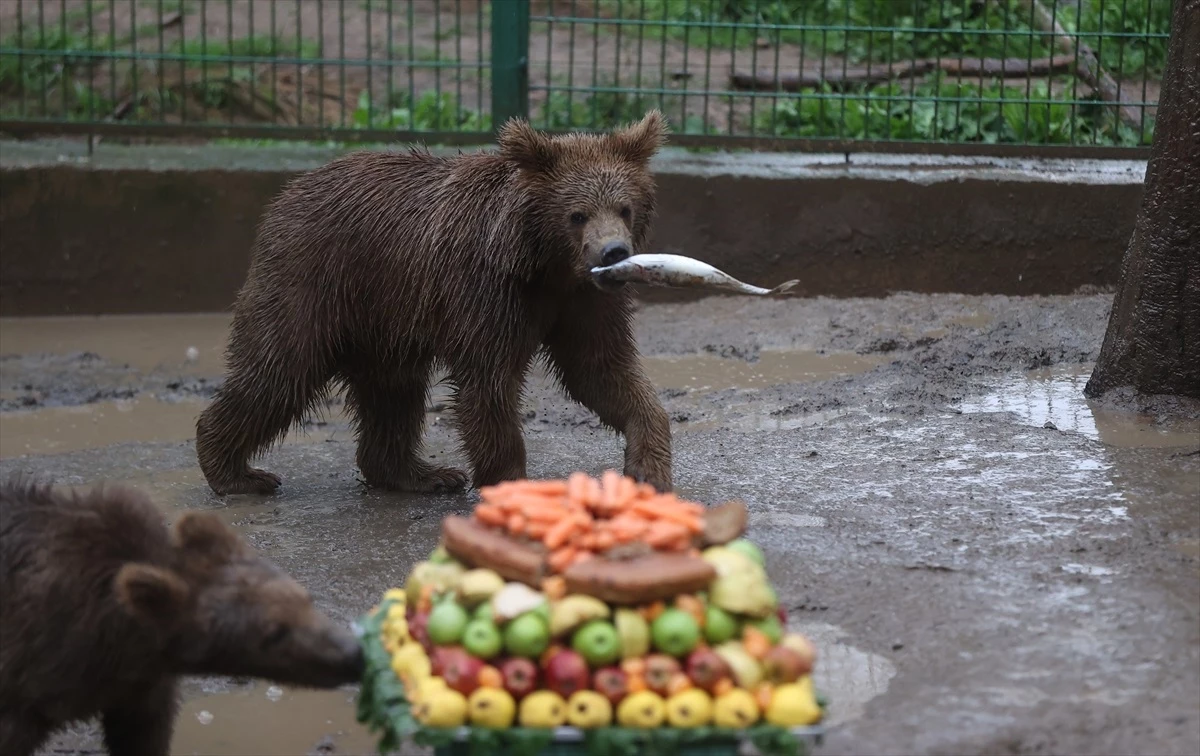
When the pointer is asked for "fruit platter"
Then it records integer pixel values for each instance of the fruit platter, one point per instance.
(589, 615)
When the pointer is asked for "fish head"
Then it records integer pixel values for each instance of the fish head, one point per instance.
(593, 196)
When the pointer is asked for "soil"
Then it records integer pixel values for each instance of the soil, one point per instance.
(987, 562)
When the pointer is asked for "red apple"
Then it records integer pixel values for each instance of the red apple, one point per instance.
(460, 670)
(520, 677)
(566, 673)
(418, 628)
(706, 668)
(612, 683)
(783, 665)
(659, 670)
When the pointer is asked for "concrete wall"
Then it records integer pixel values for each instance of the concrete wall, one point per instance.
(169, 229)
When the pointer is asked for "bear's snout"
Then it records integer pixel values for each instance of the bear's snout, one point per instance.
(614, 252)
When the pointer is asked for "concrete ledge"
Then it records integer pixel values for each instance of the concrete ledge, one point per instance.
(169, 229)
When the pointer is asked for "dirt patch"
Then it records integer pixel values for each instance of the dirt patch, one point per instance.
(977, 582)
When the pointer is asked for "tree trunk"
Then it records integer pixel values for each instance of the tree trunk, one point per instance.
(1152, 344)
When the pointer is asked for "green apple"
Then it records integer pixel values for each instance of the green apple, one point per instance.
(770, 626)
(482, 639)
(484, 611)
(527, 635)
(597, 642)
(675, 632)
(719, 625)
(447, 622)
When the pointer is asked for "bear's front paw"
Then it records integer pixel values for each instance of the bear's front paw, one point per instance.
(654, 472)
(254, 481)
(424, 479)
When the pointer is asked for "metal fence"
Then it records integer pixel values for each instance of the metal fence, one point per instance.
(804, 74)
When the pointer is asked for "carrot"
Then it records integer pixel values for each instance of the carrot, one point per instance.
(546, 487)
(722, 686)
(661, 534)
(605, 540)
(692, 606)
(628, 527)
(490, 514)
(651, 612)
(516, 523)
(559, 533)
(554, 587)
(577, 489)
(756, 642)
(562, 558)
(645, 491)
(689, 521)
(610, 484)
(678, 683)
(490, 677)
(635, 683)
(587, 541)
(763, 693)
(582, 556)
(634, 667)
(544, 514)
(536, 529)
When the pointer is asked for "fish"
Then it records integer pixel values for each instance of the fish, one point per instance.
(679, 272)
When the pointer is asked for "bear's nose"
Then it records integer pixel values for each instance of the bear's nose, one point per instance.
(613, 253)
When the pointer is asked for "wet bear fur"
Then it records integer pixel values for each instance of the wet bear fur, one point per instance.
(379, 268)
(104, 609)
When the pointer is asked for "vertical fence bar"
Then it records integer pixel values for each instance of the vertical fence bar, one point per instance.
(510, 61)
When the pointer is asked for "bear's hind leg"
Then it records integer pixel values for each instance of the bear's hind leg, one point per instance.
(487, 409)
(389, 417)
(261, 398)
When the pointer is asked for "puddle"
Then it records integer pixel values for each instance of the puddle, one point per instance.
(850, 676)
(1056, 396)
(268, 720)
(57, 430)
(702, 372)
(143, 342)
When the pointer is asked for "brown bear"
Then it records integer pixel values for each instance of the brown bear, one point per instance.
(380, 267)
(104, 608)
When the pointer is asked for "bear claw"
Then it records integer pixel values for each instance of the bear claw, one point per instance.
(254, 481)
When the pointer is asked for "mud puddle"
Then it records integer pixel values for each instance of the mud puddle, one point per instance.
(849, 676)
(57, 430)
(146, 343)
(270, 720)
(704, 372)
(1055, 396)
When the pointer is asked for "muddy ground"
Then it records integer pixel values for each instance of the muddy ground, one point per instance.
(988, 563)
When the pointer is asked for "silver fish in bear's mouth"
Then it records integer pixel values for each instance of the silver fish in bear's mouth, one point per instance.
(678, 271)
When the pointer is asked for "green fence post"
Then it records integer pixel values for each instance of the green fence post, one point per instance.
(510, 60)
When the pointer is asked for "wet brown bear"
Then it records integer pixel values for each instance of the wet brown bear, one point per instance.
(377, 268)
(104, 608)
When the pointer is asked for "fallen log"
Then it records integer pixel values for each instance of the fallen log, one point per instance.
(882, 74)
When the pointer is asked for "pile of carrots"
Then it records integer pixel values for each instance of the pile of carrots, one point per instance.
(581, 517)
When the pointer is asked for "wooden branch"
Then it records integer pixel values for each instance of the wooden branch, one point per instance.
(1090, 69)
(881, 74)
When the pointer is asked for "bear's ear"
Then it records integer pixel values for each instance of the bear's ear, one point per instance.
(638, 143)
(523, 145)
(151, 593)
(204, 536)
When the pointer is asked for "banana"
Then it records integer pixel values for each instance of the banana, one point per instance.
(747, 672)
(570, 612)
(477, 586)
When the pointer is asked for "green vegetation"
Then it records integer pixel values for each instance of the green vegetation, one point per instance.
(1121, 31)
(948, 111)
(428, 112)
(257, 46)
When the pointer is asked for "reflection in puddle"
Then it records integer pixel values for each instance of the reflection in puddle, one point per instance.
(144, 342)
(267, 720)
(702, 372)
(849, 676)
(1056, 396)
(56, 430)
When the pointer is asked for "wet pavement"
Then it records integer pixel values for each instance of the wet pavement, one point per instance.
(988, 563)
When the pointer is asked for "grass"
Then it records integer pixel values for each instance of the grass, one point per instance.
(427, 112)
(256, 46)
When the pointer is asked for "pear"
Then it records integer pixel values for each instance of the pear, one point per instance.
(477, 586)
(747, 672)
(634, 632)
(741, 586)
(570, 612)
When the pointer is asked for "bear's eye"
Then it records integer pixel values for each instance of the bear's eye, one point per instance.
(276, 635)
(578, 219)
(626, 212)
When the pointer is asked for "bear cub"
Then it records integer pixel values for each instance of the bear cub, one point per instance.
(105, 608)
(379, 268)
